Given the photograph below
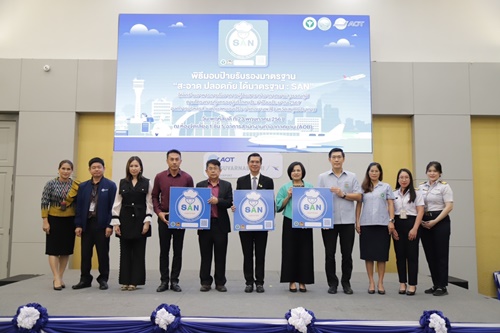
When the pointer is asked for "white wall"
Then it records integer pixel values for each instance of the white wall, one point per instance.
(421, 50)
(402, 30)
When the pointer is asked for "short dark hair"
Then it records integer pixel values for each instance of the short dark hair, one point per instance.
(127, 168)
(173, 151)
(336, 150)
(436, 165)
(96, 160)
(293, 165)
(254, 155)
(213, 161)
(64, 162)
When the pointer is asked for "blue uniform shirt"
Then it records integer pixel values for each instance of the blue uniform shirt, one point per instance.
(343, 210)
(375, 208)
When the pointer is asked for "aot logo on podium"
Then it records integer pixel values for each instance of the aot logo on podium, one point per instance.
(312, 208)
(254, 210)
(189, 208)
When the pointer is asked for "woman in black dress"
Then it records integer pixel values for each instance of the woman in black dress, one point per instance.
(132, 212)
(58, 215)
(297, 258)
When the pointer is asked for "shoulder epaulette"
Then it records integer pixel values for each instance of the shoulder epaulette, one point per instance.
(444, 183)
(422, 183)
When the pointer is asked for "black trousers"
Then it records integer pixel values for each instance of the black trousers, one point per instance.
(213, 244)
(346, 234)
(168, 236)
(93, 235)
(132, 261)
(436, 244)
(406, 250)
(250, 241)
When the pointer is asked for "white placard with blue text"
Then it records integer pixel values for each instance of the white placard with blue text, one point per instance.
(312, 208)
(254, 210)
(189, 208)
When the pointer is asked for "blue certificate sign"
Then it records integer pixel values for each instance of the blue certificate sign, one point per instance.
(189, 208)
(254, 210)
(312, 208)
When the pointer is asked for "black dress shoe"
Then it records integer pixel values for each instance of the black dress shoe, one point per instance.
(293, 290)
(205, 287)
(162, 287)
(332, 290)
(381, 292)
(430, 290)
(175, 287)
(221, 288)
(347, 290)
(81, 285)
(248, 288)
(260, 288)
(103, 285)
(371, 291)
(440, 292)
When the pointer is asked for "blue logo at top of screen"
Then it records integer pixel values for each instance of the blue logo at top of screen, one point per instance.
(324, 23)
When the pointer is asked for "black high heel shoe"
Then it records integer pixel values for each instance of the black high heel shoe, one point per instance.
(411, 293)
(403, 291)
(54, 285)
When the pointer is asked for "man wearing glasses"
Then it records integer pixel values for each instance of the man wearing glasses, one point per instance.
(346, 190)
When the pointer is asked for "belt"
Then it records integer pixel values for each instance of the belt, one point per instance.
(433, 214)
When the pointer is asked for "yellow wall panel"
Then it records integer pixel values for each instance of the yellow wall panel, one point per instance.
(485, 163)
(95, 139)
(393, 149)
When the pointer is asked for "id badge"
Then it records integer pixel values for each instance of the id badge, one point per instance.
(402, 214)
(92, 207)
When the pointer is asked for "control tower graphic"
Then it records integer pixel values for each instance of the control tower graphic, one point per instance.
(138, 86)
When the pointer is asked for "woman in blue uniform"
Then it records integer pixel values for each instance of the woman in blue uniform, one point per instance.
(375, 224)
(132, 212)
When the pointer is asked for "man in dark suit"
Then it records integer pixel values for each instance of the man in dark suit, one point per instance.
(214, 240)
(93, 217)
(254, 239)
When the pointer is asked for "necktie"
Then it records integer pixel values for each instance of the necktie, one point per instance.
(254, 183)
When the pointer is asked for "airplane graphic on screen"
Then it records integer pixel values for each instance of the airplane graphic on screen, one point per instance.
(302, 141)
(354, 77)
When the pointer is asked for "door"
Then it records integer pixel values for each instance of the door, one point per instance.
(7, 153)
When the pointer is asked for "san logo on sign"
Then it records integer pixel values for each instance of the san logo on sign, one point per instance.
(189, 205)
(312, 205)
(253, 209)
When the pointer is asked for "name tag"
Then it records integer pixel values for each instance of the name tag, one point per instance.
(92, 207)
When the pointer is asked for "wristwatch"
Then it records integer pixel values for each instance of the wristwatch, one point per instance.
(344, 195)
(391, 220)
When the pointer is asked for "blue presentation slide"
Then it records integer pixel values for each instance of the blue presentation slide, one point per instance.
(270, 83)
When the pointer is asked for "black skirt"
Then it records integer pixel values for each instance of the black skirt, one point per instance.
(61, 239)
(374, 243)
(297, 254)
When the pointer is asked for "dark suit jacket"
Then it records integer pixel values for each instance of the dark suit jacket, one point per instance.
(105, 199)
(245, 183)
(225, 202)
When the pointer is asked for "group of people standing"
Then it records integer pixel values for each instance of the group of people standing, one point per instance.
(95, 208)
